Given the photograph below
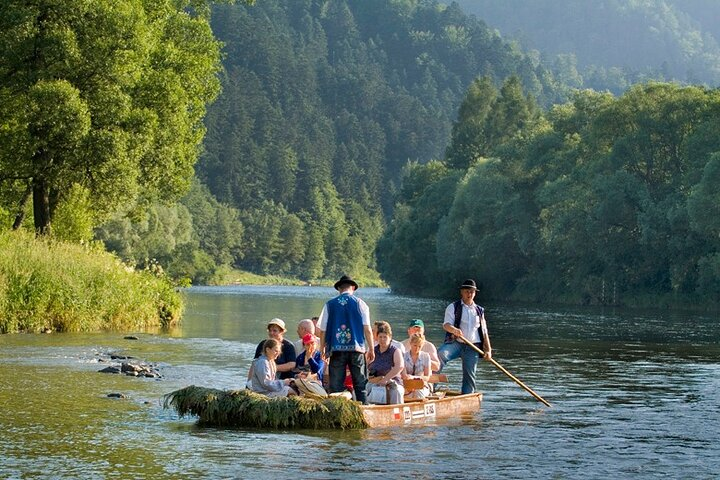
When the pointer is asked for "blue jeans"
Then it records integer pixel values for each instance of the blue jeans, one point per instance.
(358, 371)
(469, 358)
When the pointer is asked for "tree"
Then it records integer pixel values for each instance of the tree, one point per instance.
(469, 136)
(407, 252)
(109, 96)
(487, 231)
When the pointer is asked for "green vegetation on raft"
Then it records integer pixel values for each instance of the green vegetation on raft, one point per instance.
(48, 285)
(244, 408)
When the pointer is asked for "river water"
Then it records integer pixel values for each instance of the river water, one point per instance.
(634, 394)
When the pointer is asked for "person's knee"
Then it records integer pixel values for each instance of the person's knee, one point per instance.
(443, 356)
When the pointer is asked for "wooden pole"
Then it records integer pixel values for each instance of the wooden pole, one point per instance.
(502, 369)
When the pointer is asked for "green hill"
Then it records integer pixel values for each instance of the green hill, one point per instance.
(638, 39)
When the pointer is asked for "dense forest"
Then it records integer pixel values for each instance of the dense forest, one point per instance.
(614, 43)
(600, 200)
(402, 141)
(323, 104)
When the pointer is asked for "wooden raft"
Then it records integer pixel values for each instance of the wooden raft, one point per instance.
(428, 410)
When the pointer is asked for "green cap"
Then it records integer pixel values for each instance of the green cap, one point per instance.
(416, 322)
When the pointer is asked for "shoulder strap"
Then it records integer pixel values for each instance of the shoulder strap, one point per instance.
(457, 307)
(458, 313)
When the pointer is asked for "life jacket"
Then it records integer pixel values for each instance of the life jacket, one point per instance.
(482, 329)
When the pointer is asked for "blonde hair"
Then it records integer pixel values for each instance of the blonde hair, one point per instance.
(417, 339)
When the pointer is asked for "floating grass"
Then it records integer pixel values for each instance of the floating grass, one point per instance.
(245, 408)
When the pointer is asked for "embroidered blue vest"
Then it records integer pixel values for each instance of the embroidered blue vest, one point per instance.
(344, 325)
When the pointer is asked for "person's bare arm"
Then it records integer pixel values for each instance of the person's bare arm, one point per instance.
(370, 342)
(286, 367)
(452, 329)
(322, 343)
(398, 366)
(434, 359)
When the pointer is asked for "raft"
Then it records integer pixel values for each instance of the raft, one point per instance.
(428, 410)
(244, 408)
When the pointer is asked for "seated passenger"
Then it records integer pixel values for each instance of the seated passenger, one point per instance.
(314, 365)
(304, 327)
(385, 382)
(418, 326)
(262, 379)
(393, 342)
(286, 361)
(417, 367)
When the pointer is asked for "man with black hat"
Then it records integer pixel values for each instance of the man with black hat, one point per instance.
(465, 318)
(346, 337)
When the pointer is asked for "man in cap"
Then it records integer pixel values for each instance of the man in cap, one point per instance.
(418, 326)
(346, 337)
(286, 361)
(465, 318)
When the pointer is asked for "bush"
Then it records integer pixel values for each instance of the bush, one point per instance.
(51, 285)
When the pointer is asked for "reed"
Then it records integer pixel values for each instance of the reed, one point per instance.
(47, 285)
(244, 408)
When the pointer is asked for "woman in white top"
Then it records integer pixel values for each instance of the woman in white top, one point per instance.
(263, 372)
(417, 366)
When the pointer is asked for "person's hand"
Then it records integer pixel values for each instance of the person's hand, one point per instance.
(370, 356)
(488, 354)
(309, 350)
(286, 381)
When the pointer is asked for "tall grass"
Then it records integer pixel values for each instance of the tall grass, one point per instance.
(50, 285)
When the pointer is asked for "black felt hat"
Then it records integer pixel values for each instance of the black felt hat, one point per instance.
(346, 280)
(469, 283)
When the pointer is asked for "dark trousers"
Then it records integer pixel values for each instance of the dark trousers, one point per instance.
(358, 371)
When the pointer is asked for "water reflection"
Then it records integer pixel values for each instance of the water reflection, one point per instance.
(634, 395)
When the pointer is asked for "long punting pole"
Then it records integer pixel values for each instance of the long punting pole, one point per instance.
(502, 369)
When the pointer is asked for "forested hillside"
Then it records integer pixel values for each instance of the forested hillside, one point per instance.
(323, 104)
(393, 139)
(611, 44)
(601, 200)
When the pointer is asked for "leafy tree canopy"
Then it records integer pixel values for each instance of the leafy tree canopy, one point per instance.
(108, 96)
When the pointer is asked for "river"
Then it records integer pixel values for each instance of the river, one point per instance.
(634, 394)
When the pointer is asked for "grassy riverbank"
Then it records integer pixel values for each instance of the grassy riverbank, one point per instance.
(55, 286)
(239, 277)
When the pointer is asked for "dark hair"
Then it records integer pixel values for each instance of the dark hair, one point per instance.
(384, 327)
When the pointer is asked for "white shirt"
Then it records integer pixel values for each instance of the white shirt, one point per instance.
(469, 321)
